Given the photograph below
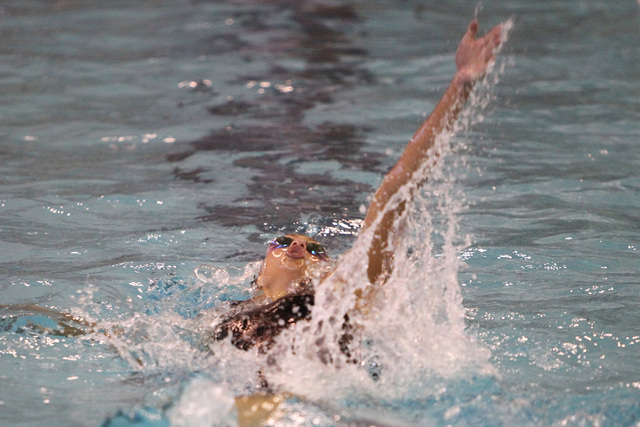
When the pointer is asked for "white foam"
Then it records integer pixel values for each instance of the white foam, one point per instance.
(414, 329)
(412, 335)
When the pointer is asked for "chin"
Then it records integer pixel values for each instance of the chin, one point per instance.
(296, 264)
(282, 285)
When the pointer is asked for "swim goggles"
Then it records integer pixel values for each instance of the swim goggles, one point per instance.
(315, 249)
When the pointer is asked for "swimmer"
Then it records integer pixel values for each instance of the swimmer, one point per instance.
(293, 263)
(293, 260)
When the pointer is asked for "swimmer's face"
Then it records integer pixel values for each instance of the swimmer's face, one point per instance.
(290, 260)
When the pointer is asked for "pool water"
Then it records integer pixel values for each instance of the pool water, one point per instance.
(150, 149)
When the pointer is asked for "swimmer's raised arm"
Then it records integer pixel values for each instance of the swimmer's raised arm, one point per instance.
(292, 260)
(472, 59)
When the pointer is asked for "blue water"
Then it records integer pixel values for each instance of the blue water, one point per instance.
(148, 150)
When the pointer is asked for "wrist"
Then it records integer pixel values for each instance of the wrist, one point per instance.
(464, 77)
(464, 80)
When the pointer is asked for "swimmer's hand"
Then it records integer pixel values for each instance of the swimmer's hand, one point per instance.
(474, 55)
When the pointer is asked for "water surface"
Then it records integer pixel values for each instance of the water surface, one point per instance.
(144, 142)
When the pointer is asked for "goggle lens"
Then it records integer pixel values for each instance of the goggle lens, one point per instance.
(315, 249)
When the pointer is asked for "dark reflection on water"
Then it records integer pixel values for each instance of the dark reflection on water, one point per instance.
(281, 194)
(269, 130)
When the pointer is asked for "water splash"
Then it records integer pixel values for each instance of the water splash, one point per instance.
(413, 331)
(410, 337)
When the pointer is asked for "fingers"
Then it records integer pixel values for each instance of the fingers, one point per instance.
(473, 29)
(475, 54)
(486, 44)
(496, 34)
(491, 40)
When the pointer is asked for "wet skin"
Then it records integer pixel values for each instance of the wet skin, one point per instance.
(283, 268)
(287, 266)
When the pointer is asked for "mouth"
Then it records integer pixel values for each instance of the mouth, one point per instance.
(296, 252)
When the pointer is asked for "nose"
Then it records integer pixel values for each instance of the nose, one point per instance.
(299, 242)
(297, 249)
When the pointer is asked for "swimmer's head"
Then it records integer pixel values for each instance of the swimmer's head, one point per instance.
(291, 260)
